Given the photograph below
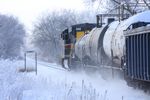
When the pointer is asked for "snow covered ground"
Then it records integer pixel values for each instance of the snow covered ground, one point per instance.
(53, 84)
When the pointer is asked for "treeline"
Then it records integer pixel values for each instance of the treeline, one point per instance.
(45, 35)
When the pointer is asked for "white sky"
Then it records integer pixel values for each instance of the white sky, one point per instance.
(28, 10)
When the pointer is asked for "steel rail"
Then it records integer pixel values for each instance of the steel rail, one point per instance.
(52, 67)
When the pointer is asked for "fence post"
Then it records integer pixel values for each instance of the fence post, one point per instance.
(36, 62)
(25, 62)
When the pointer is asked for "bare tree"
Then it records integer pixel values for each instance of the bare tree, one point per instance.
(46, 33)
(11, 36)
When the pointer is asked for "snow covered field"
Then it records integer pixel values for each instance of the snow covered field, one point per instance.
(53, 84)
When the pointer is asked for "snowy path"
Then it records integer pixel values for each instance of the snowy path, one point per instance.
(52, 84)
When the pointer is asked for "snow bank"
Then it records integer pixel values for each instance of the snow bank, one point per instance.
(53, 84)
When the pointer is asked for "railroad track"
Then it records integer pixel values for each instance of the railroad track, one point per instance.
(50, 66)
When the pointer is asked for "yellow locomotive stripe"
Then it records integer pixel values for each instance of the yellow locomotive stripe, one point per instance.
(79, 34)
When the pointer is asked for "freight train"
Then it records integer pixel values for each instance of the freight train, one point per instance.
(123, 44)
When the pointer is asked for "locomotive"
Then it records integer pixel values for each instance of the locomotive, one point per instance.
(123, 44)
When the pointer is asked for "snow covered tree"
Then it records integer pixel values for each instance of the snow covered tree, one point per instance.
(46, 33)
(11, 36)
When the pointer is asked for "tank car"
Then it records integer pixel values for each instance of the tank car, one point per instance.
(107, 41)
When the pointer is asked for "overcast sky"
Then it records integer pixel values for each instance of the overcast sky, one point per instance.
(28, 10)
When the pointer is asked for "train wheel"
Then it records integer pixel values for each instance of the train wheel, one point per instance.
(72, 64)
